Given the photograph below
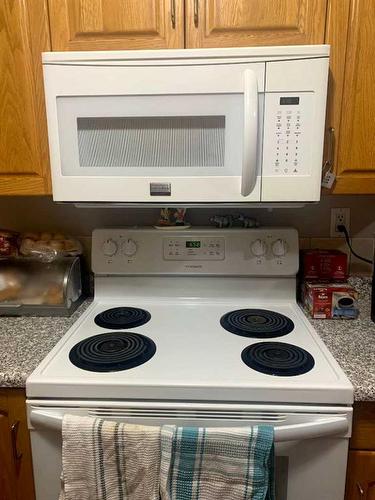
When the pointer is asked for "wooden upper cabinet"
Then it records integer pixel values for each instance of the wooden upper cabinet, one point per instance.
(116, 24)
(23, 130)
(233, 23)
(353, 76)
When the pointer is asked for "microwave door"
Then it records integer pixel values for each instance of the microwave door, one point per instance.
(200, 145)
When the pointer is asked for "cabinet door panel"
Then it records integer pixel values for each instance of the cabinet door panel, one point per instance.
(356, 150)
(116, 24)
(23, 128)
(360, 481)
(229, 23)
(7, 474)
(15, 450)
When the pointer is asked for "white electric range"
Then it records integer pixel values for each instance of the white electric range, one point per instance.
(198, 327)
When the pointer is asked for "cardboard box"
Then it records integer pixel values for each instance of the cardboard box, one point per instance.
(330, 265)
(330, 300)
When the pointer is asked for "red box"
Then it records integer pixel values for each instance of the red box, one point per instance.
(331, 265)
(330, 300)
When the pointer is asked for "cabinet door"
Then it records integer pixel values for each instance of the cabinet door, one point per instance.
(16, 473)
(24, 163)
(234, 23)
(7, 473)
(116, 24)
(360, 483)
(355, 161)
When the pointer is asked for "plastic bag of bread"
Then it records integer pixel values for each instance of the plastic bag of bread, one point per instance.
(48, 246)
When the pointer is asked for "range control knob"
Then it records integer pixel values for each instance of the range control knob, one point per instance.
(258, 248)
(279, 248)
(110, 247)
(129, 247)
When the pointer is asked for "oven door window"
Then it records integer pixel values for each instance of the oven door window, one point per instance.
(178, 135)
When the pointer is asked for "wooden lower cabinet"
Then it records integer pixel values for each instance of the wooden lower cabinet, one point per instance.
(16, 474)
(360, 480)
(360, 483)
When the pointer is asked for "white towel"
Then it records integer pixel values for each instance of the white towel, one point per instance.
(104, 460)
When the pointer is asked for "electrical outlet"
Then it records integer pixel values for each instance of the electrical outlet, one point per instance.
(339, 216)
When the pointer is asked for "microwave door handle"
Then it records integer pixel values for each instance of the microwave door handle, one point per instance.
(310, 430)
(250, 140)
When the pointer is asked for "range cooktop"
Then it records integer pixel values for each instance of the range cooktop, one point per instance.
(184, 351)
(117, 351)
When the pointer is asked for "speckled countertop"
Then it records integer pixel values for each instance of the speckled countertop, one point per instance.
(25, 341)
(352, 343)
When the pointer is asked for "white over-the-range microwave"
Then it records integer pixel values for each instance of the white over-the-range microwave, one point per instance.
(227, 126)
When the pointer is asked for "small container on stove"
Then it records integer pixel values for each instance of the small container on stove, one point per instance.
(30, 287)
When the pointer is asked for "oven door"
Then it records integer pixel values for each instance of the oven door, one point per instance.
(157, 134)
(311, 442)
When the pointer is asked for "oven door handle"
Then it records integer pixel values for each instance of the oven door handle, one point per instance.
(250, 138)
(309, 430)
(297, 432)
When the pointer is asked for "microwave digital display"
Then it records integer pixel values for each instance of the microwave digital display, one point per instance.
(193, 244)
(285, 101)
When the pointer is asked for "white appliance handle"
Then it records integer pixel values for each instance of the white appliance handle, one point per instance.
(297, 432)
(250, 140)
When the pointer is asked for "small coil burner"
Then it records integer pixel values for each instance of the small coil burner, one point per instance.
(122, 317)
(277, 358)
(113, 351)
(257, 323)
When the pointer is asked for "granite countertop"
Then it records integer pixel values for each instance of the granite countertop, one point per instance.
(26, 341)
(352, 343)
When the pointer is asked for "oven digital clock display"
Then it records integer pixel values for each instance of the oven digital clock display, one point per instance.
(193, 244)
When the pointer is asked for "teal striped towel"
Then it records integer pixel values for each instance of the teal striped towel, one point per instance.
(217, 463)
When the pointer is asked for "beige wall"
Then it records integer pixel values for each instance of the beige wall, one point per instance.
(312, 221)
(32, 213)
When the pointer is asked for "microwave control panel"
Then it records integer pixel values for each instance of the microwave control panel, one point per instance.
(288, 136)
(200, 248)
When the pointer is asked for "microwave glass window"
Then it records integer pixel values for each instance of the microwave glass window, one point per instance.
(161, 141)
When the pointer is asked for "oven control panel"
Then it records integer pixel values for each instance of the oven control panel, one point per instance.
(191, 248)
(206, 251)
